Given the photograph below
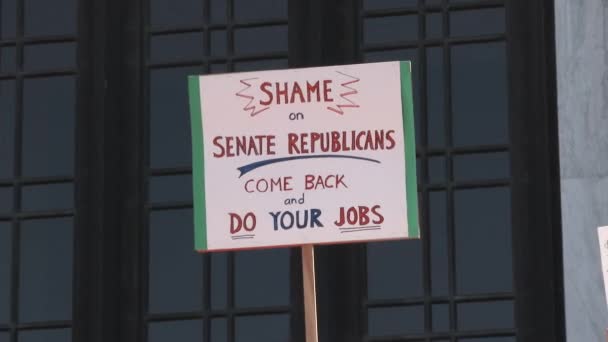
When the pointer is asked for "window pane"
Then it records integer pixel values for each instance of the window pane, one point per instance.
(5, 271)
(175, 268)
(170, 144)
(483, 240)
(261, 65)
(395, 321)
(43, 17)
(48, 126)
(219, 280)
(7, 127)
(219, 328)
(437, 169)
(6, 199)
(435, 97)
(267, 328)
(488, 315)
(45, 291)
(176, 47)
(434, 25)
(260, 40)
(388, 278)
(170, 188)
(49, 56)
(219, 43)
(218, 11)
(477, 22)
(439, 242)
(182, 331)
(481, 166)
(247, 10)
(4, 337)
(175, 13)
(55, 335)
(441, 317)
(8, 59)
(479, 89)
(262, 278)
(8, 19)
(390, 29)
(47, 197)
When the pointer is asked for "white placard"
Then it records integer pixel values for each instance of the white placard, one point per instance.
(304, 156)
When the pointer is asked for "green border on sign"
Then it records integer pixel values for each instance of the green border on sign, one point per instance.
(198, 164)
(411, 183)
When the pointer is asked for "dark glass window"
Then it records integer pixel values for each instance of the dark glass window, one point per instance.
(233, 297)
(439, 286)
(38, 96)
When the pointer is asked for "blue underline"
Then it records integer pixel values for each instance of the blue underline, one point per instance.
(250, 167)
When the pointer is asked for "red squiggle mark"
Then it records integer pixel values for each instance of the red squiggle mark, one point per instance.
(249, 105)
(352, 91)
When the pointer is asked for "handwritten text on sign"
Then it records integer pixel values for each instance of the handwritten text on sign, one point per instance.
(303, 156)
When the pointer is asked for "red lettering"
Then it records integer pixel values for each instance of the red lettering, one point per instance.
(391, 141)
(281, 92)
(309, 182)
(312, 89)
(326, 91)
(264, 88)
(379, 218)
(217, 143)
(292, 146)
(296, 90)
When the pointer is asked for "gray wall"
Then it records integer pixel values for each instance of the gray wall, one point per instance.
(582, 81)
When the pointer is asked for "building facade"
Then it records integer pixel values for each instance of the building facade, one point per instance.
(96, 231)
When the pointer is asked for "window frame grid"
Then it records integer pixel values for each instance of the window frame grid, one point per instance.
(17, 181)
(206, 314)
(449, 185)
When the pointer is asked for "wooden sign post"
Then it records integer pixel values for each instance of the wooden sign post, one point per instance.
(310, 293)
(300, 157)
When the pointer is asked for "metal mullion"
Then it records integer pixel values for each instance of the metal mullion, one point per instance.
(37, 215)
(424, 204)
(217, 60)
(44, 325)
(37, 180)
(254, 24)
(176, 30)
(38, 74)
(470, 149)
(230, 326)
(170, 171)
(15, 271)
(417, 337)
(462, 185)
(206, 258)
(407, 10)
(473, 298)
(209, 26)
(435, 42)
(447, 69)
(231, 302)
(477, 5)
(39, 40)
(218, 313)
(392, 12)
(169, 206)
(145, 238)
